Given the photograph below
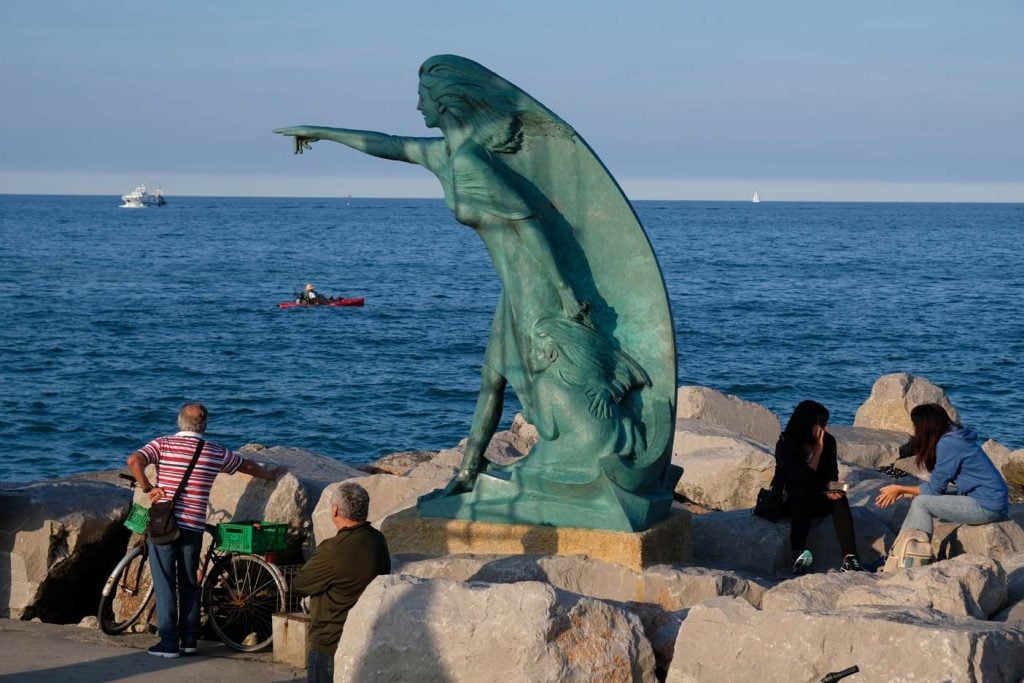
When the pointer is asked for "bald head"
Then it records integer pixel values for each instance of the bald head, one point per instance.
(192, 418)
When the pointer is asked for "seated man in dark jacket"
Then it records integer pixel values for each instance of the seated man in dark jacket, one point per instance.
(805, 464)
(337, 574)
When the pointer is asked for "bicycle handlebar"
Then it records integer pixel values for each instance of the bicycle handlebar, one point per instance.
(129, 477)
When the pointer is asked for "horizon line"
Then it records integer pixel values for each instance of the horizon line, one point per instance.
(441, 199)
(414, 187)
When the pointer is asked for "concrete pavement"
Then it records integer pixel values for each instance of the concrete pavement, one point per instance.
(38, 653)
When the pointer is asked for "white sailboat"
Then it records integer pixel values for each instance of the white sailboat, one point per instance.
(756, 199)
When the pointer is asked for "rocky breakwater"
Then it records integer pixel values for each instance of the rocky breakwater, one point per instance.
(735, 615)
(58, 541)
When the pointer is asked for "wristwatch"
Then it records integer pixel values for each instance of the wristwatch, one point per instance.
(147, 489)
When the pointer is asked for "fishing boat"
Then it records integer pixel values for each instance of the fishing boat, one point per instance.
(756, 199)
(323, 303)
(139, 198)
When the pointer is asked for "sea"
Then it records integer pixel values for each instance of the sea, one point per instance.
(111, 318)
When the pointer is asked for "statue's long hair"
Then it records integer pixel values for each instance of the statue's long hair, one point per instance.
(591, 360)
(496, 113)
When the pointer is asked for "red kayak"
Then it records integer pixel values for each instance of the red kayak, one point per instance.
(333, 303)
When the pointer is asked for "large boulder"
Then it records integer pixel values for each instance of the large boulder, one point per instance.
(398, 463)
(722, 469)
(670, 588)
(289, 500)
(730, 412)
(1010, 464)
(388, 494)
(725, 639)
(998, 539)
(658, 596)
(894, 396)
(868, 447)
(968, 586)
(405, 628)
(1014, 612)
(58, 542)
(738, 540)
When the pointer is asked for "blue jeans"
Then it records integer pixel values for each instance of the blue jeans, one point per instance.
(319, 667)
(175, 567)
(947, 508)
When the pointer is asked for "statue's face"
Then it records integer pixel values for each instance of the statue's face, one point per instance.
(543, 354)
(431, 112)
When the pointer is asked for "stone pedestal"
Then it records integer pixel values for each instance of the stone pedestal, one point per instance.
(290, 631)
(667, 542)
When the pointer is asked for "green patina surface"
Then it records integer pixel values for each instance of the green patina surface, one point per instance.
(582, 330)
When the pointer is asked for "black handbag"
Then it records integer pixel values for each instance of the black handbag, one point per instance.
(162, 526)
(769, 504)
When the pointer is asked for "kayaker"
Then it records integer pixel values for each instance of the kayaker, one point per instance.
(310, 295)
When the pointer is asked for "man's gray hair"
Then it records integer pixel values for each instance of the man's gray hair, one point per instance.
(352, 500)
(192, 418)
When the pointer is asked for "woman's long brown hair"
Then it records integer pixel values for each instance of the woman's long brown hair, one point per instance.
(930, 422)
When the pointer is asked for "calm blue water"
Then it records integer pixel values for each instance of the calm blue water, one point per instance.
(111, 318)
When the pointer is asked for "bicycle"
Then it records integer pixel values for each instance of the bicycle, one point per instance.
(239, 590)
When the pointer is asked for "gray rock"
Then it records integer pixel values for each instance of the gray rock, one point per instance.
(89, 622)
(405, 628)
(1013, 473)
(725, 639)
(738, 540)
(722, 470)
(894, 396)
(290, 499)
(998, 540)
(670, 588)
(729, 412)
(868, 447)
(388, 494)
(58, 542)
(1013, 565)
(659, 596)
(968, 586)
(398, 463)
(1013, 615)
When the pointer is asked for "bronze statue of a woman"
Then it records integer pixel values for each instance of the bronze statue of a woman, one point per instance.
(578, 281)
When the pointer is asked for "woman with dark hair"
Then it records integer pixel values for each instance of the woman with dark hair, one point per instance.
(952, 454)
(805, 465)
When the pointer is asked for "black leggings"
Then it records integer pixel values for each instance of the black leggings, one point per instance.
(806, 504)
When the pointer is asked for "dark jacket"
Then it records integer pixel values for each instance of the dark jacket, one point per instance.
(791, 470)
(336, 576)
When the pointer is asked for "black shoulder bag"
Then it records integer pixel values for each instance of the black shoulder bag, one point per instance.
(163, 527)
(769, 504)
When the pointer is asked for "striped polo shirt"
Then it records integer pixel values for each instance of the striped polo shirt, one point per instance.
(171, 455)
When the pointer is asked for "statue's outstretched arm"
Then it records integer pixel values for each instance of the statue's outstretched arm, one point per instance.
(395, 147)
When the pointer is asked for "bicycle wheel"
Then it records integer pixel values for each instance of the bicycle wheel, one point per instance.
(128, 591)
(240, 594)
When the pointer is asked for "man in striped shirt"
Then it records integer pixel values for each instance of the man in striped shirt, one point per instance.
(175, 565)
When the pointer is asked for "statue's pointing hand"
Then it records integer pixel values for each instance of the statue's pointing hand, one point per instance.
(301, 135)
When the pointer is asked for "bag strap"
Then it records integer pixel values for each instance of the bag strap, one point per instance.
(188, 472)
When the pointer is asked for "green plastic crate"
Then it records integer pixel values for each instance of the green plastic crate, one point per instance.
(251, 537)
(138, 518)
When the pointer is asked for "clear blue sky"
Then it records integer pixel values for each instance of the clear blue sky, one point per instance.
(711, 99)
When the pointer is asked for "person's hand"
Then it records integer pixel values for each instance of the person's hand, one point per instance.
(834, 495)
(888, 495)
(155, 494)
(276, 473)
(819, 440)
(303, 136)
